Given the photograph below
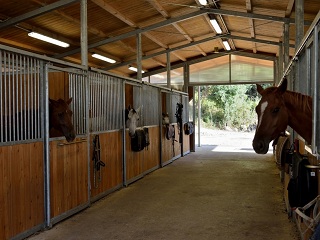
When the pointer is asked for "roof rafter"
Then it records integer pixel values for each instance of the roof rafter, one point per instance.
(37, 12)
(210, 38)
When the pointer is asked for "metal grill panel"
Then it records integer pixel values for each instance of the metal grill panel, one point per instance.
(20, 103)
(105, 94)
(150, 111)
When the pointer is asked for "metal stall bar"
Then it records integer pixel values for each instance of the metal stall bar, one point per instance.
(46, 147)
(316, 115)
(124, 164)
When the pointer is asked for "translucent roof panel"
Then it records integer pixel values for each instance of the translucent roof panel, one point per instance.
(212, 71)
(246, 69)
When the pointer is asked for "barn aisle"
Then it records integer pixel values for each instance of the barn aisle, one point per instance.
(209, 194)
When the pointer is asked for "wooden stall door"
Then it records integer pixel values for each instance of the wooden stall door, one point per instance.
(68, 175)
(111, 175)
(21, 188)
(152, 152)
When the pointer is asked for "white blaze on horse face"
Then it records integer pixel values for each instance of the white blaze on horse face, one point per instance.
(262, 108)
(133, 118)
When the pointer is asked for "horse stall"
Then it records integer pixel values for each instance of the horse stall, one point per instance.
(145, 99)
(63, 140)
(21, 145)
(174, 141)
(69, 170)
(105, 127)
(294, 153)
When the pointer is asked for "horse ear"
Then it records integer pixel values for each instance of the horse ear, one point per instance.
(283, 86)
(69, 101)
(259, 89)
(138, 110)
(51, 101)
(129, 107)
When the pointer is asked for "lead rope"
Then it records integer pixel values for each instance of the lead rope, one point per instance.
(97, 163)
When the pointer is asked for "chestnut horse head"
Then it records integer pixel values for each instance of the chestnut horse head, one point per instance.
(61, 118)
(277, 109)
(132, 118)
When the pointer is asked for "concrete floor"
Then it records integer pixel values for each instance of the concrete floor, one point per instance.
(204, 195)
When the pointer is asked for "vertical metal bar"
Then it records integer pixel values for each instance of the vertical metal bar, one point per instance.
(316, 116)
(281, 61)
(87, 129)
(139, 57)
(124, 155)
(286, 50)
(160, 126)
(21, 97)
(25, 97)
(9, 98)
(84, 33)
(31, 107)
(13, 103)
(299, 21)
(5, 97)
(46, 166)
(28, 97)
(1, 102)
(18, 116)
(199, 116)
(91, 109)
(38, 99)
(168, 70)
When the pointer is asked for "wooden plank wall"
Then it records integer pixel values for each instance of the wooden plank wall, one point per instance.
(69, 175)
(138, 163)
(58, 85)
(21, 188)
(152, 153)
(186, 143)
(111, 155)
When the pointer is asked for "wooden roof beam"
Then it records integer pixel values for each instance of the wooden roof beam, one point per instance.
(107, 7)
(35, 13)
(251, 25)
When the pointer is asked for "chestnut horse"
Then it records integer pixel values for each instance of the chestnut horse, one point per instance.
(61, 119)
(132, 118)
(277, 109)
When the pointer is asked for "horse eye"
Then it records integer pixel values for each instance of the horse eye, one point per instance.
(275, 110)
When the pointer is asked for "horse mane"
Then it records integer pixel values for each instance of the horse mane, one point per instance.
(300, 100)
(297, 99)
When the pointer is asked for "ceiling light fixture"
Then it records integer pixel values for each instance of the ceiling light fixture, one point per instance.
(203, 2)
(226, 45)
(48, 39)
(216, 26)
(134, 69)
(103, 58)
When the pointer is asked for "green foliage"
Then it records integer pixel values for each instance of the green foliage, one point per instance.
(232, 105)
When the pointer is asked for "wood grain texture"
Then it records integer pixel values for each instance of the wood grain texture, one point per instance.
(21, 188)
(69, 176)
(111, 155)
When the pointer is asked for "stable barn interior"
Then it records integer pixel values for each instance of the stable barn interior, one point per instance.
(45, 179)
(43, 173)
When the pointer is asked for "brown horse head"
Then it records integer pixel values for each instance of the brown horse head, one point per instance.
(272, 116)
(61, 118)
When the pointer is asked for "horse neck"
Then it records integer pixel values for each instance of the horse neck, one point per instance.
(300, 113)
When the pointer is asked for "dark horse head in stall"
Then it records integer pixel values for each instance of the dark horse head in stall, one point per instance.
(277, 109)
(61, 118)
(132, 118)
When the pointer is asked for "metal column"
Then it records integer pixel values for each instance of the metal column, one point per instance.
(168, 70)
(84, 33)
(139, 57)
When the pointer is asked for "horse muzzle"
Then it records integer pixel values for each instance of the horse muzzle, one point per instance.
(70, 136)
(260, 146)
